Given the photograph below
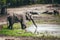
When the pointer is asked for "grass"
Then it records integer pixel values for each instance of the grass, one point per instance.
(16, 31)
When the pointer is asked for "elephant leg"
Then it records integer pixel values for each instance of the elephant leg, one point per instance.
(10, 26)
(23, 26)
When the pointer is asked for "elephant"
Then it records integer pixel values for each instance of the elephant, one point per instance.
(22, 18)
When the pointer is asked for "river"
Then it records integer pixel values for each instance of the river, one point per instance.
(52, 29)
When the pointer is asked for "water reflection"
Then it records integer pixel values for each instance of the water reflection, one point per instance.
(45, 28)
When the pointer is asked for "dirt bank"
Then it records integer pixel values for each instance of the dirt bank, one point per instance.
(27, 38)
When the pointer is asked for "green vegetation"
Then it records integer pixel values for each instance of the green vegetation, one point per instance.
(14, 3)
(19, 32)
(16, 31)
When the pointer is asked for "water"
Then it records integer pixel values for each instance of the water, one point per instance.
(45, 28)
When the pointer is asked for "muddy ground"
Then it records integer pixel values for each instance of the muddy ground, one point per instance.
(27, 38)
